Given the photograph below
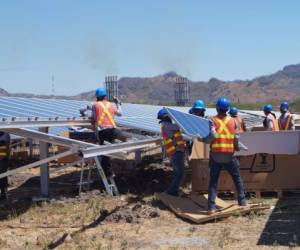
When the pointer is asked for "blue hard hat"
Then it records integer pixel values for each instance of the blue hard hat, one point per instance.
(268, 108)
(284, 106)
(101, 92)
(161, 113)
(223, 103)
(233, 111)
(199, 104)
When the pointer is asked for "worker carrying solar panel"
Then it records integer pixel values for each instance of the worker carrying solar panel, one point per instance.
(223, 140)
(175, 149)
(198, 109)
(239, 121)
(4, 161)
(103, 114)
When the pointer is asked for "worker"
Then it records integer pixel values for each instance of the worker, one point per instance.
(198, 109)
(103, 113)
(286, 120)
(175, 149)
(239, 121)
(270, 122)
(4, 160)
(224, 142)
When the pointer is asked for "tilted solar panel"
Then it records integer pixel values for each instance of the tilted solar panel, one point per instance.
(190, 124)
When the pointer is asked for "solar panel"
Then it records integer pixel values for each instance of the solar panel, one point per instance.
(190, 124)
(137, 116)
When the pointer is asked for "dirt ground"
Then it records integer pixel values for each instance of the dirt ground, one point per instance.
(133, 220)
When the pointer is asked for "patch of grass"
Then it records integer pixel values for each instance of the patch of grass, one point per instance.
(81, 247)
(3, 243)
(95, 205)
(13, 214)
(225, 238)
(252, 215)
(192, 229)
(123, 245)
(28, 245)
(76, 237)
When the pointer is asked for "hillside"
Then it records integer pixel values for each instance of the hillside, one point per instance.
(284, 84)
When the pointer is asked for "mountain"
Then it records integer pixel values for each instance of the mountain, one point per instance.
(282, 85)
(3, 92)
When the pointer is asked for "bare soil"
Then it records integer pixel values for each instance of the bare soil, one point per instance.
(133, 220)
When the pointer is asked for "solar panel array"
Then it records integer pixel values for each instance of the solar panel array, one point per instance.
(139, 116)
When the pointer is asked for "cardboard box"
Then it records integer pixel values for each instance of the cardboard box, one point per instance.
(261, 172)
(271, 164)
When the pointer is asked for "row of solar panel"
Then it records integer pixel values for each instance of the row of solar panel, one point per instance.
(134, 115)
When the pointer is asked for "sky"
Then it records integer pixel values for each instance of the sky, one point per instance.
(75, 44)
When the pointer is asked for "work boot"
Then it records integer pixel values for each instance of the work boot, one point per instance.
(243, 203)
(211, 211)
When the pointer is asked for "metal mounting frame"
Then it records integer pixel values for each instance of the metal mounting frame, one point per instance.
(84, 149)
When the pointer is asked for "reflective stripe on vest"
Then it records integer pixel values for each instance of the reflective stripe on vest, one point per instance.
(285, 124)
(224, 138)
(172, 144)
(105, 113)
(3, 151)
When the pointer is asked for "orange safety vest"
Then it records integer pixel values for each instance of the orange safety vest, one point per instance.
(105, 114)
(275, 123)
(172, 143)
(224, 137)
(285, 124)
(3, 151)
(239, 123)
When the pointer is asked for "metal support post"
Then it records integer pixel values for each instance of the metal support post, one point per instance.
(138, 156)
(44, 168)
(81, 176)
(30, 142)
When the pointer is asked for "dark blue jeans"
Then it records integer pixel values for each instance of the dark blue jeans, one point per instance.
(233, 167)
(177, 161)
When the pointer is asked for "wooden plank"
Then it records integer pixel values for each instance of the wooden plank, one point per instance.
(188, 209)
(201, 200)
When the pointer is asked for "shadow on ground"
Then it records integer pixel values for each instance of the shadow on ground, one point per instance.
(140, 182)
(283, 226)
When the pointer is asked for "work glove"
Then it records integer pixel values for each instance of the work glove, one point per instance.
(82, 112)
(116, 101)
